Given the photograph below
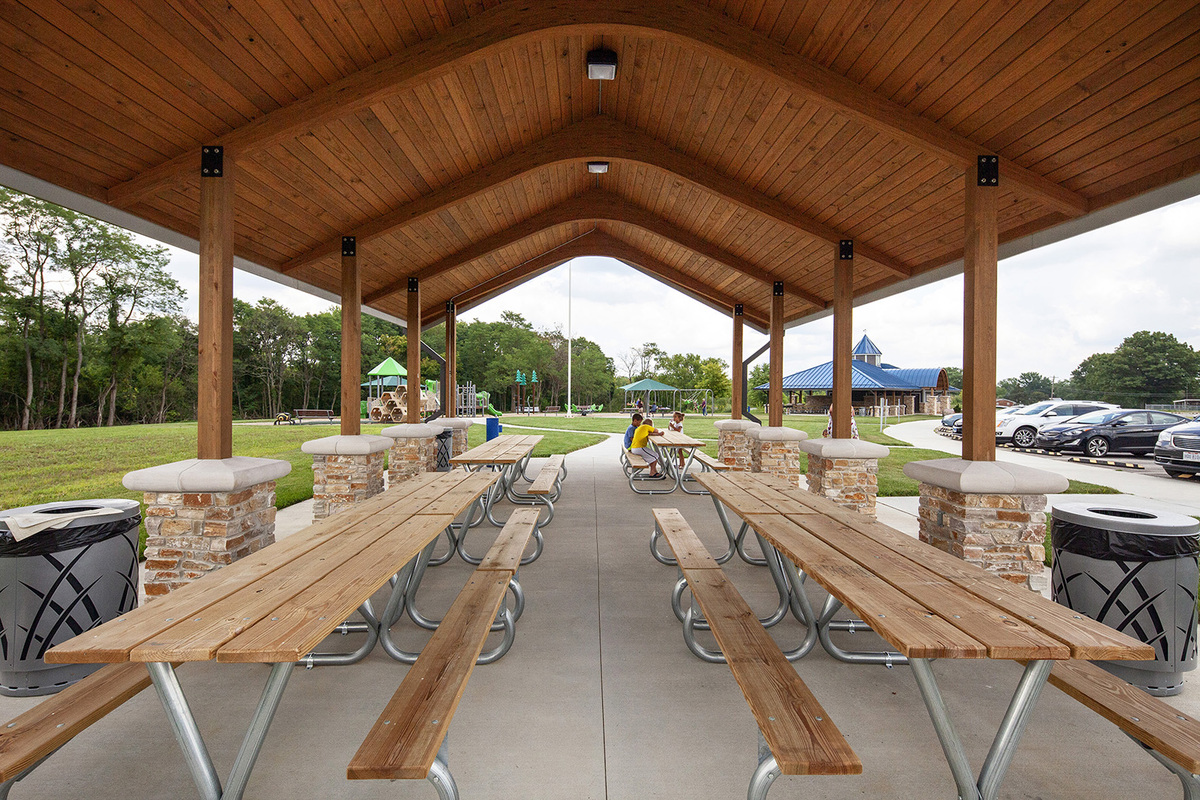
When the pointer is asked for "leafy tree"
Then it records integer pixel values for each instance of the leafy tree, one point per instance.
(954, 376)
(760, 375)
(1028, 387)
(714, 376)
(1146, 367)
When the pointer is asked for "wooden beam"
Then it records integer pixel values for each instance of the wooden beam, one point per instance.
(775, 385)
(214, 398)
(351, 339)
(451, 318)
(688, 24)
(736, 360)
(595, 206)
(604, 139)
(843, 328)
(979, 321)
(413, 336)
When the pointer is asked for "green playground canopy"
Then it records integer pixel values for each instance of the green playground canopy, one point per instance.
(388, 368)
(648, 385)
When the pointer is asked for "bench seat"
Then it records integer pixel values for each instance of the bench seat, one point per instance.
(801, 737)
(547, 479)
(711, 463)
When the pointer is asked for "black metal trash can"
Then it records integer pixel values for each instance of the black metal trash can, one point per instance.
(1135, 571)
(59, 583)
(445, 446)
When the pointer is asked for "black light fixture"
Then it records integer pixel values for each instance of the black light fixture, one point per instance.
(601, 64)
(597, 167)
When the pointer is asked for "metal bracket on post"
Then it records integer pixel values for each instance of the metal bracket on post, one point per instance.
(212, 161)
(746, 382)
(988, 171)
(846, 250)
(425, 348)
(349, 246)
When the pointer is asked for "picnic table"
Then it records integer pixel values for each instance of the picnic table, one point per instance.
(925, 603)
(277, 605)
(509, 456)
(668, 446)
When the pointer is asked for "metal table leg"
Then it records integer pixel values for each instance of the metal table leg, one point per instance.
(683, 473)
(187, 733)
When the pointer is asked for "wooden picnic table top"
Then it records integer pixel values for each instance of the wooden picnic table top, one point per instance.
(924, 602)
(501, 450)
(277, 604)
(676, 439)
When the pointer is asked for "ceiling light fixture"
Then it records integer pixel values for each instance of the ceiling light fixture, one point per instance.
(597, 167)
(601, 64)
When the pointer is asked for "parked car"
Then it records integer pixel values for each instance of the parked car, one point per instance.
(950, 420)
(1178, 449)
(1021, 428)
(1100, 432)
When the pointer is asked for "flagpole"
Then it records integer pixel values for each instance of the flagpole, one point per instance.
(568, 338)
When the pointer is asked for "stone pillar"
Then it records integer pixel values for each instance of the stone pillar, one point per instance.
(346, 471)
(460, 427)
(202, 514)
(992, 514)
(776, 451)
(733, 445)
(846, 471)
(411, 450)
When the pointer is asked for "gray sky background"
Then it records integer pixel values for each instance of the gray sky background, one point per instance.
(1057, 305)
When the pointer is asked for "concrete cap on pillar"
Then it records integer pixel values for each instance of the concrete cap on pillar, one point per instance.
(207, 475)
(844, 448)
(776, 434)
(417, 430)
(985, 477)
(735, 425)
(363, 445)
(456, 423)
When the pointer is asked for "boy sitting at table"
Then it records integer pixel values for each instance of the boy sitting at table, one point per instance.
(641, 441)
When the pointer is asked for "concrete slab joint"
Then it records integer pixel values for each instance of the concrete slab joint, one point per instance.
(776, 451)
(203, 514)
(413, 451)
(990, 513)
(346, 471)
(733, 443)
(845, 470)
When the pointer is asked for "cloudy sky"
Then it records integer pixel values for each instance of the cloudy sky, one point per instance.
(1058, 304)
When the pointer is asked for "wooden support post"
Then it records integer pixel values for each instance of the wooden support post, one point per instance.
(738, 388)
(979, 311)
(413, 333)
(775, 389)
(351, 339)
(451, 409)
(214, 400)
(843, 326)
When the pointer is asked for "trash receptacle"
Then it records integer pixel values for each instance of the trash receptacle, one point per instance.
(445, 442)
(493, 428)
(1136, 571)
(58, 582)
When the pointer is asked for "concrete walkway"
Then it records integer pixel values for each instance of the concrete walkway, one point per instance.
(599, 698)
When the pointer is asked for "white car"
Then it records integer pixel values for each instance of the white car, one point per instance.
(1021, 428)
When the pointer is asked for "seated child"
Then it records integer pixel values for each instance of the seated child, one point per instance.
(641, 442)
(637, 420)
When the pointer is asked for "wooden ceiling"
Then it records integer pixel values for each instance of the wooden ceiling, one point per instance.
(745, 136)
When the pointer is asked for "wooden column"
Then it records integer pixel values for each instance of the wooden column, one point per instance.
(775, 389)
(738, 387)
(351, 339)
(979, 311)
(214, 400)
(843, 326)
(451, 409)
(413, 333)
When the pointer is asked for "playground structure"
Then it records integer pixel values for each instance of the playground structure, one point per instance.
(387, 394)
(658, 397)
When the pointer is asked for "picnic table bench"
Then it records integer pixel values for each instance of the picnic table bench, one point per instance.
(924, 603)
(275, 606)
(313, 413)
(796, 735)
(509, 455)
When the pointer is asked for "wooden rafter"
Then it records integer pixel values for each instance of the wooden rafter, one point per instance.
(686, 23)
(596, 138)
(595, 206)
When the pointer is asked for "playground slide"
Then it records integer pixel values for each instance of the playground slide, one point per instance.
(493, 411)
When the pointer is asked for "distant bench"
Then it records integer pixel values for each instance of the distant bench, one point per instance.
(313, 413)
(553, 409)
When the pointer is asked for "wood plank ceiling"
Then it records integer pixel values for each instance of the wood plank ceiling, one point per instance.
(745, 136)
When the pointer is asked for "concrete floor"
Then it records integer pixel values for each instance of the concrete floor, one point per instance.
(599, 698)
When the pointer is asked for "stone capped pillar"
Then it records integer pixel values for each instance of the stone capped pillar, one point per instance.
(346, 471)
(846, 471)
(990, 513)
(413, 446)
(202, 514)
(733, 443)
(460, 427)
(776, 451)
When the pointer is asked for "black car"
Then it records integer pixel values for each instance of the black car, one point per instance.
(1111, 429)
(1178, 450)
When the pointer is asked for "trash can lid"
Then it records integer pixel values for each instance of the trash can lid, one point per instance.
(1127, 520)
(120, 509)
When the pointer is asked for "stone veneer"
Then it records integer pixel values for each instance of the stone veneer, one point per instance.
(776, 451)
(733, 443)
(346, 471)
(846, 471)
(460, 427)
(204, 514)
(414, 450)
(988, 513)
